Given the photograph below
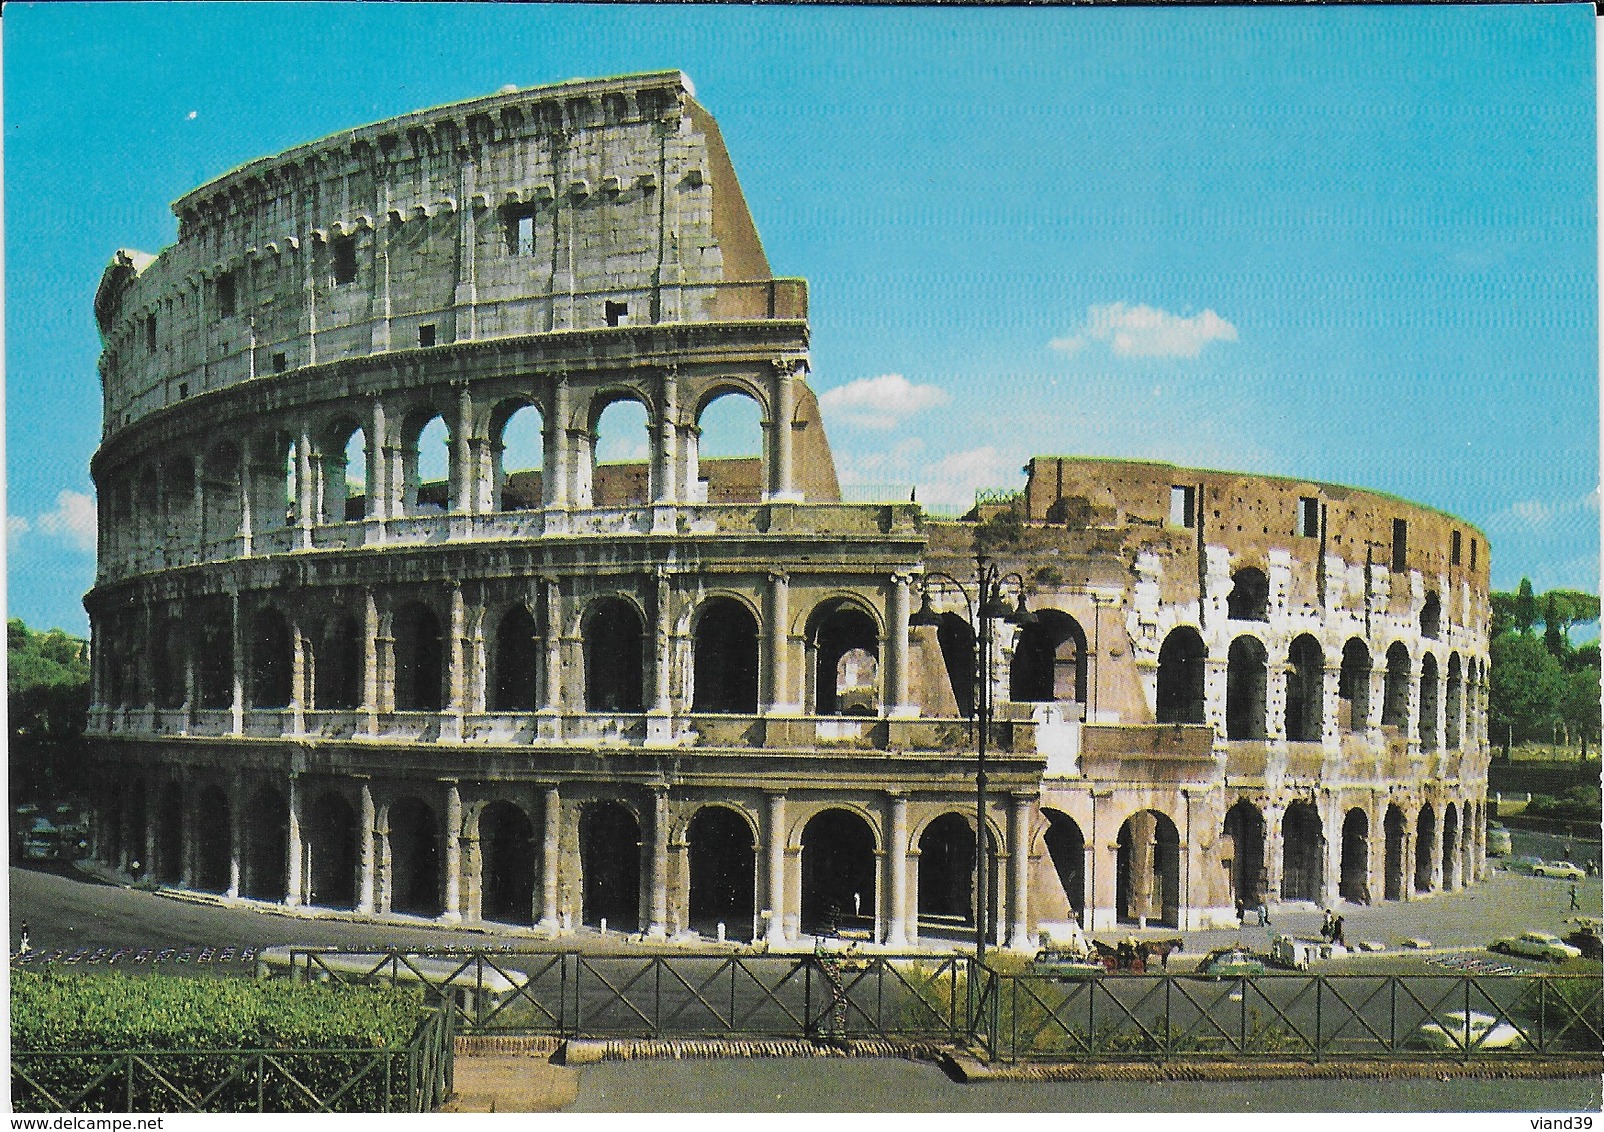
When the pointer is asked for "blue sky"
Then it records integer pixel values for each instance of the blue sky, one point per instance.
(1356, 245)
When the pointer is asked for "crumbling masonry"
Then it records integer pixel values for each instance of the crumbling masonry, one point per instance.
(682, 694)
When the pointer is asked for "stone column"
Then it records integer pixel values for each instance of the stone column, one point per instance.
(152, 817)
(774, 844)
(657, 928)
(377, 504)
(299, 678)
(1275, 701)
(551, 676)
(474, 656)
(370, 661)
(305, 495)
(778, 616)
(663, 438)
(659, 723)
(365, 884)
(1330, 706)
(1412, 722)
(294, 884)
(237, 647)
(189, 820)
(1019, 872)
(462, 468)
(452, 912)
(897, 868)
(897, 704)
(1377, 701)
(456, 663)
(550, 847)
(782, 410)
(247, 490)
(1407, 853)
(236, 834)
(1215, 681)
(1273, 857)
(556, 477)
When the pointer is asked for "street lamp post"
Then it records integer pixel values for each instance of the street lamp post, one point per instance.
(988, 607)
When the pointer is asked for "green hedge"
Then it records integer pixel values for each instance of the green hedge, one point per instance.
(84, 1014)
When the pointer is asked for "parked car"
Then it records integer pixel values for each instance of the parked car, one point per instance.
(1563, 870)
(1538, 945)
(1522, 864)
(41, 841)
(1586, 936)
(1230, 963)
(1498, 842)
(1061, 963)
(1483, 1031)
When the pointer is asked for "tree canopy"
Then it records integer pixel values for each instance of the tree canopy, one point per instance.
(47, 691)
(1543, 687)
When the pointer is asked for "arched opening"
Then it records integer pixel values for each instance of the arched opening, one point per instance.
(947, 874)
(1305, 690)
(220, 494)
(518, 451)
(1428, 703)
(1431, 617)
(1303, 854)
(723, 865)
(517, 662)
(507, 865)
(1450, 847)
(414, 858)
(267, 846)
(614, 641)
(1148, 870)
(957, 641)
(1066, 848)
(726, 451)
(425, 464)
(419, 658)
(332, 852)
(609, 863)
(344, 459)
(1180, 677)
(1353, 686)
(212, 840)
(178, 493)
(1244, 829)
(846, 655)
(270, 656)
(337, 665)
(1245, 686)
(214, 654)
(170, 834)
(1249, 599)
(1394, 825)
(838, 874)
(1395, 704)
(168, 653)
(1425, 841)
(1049, 663)
(726, 658)
(1456, 699)
(1355, 882)
(620, 468)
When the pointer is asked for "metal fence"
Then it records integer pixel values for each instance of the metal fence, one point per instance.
(1296, 1017)
(1003, 1016)
(416, 1077)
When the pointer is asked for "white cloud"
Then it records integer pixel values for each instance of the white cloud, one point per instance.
(1146, 332)
(880, 402)
(1541, 514)
(951, 479)
(72, 521)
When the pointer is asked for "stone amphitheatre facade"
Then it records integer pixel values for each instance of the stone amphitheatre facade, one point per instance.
(686, 693)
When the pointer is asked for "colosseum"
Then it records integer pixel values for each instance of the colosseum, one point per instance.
(689, 697)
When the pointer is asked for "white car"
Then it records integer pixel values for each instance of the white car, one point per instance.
(1564, 870)
(1539, 945)
(1483, 1030)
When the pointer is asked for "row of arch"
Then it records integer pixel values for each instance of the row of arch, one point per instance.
(430, 459)
(1249, 600)
(1181, 689)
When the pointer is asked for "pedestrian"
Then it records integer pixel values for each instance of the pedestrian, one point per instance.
(1241, 912)
(23, 946)
(1327, 926)
(1575, 907)
(857, 905)
(1264, 914)
(1337, 935)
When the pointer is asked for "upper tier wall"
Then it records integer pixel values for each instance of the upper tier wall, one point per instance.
(582, 205)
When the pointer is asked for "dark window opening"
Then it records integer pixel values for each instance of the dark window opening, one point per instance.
(280, 363)
(1454, 549)
(344, 259)
(1049, 663)
(726, 659)
(723, 873)
(1249, 599)
(1180, 677)
(183, 390)
(1400, 544)
(614, 668)
(150, 333)
(609, 867)
(1472, 554)
(1309, 517)
(426, 335)
(521, 233)
(419, 659)
(1245, 689)
(226, 295)
(617, 313)
(517, 662)
(1431, 617)
(1183, 506)
(1305, 701)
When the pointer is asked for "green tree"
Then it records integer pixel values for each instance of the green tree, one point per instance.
(1524, 608)
(47, 694)
(1526, 685)
(1554, 627)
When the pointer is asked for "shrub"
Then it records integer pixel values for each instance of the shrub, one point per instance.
(55, 1013)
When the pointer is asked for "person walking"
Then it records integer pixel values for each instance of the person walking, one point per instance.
(1575, 907)
(23, 946)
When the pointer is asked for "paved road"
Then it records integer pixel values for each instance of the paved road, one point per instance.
(865, 1085)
